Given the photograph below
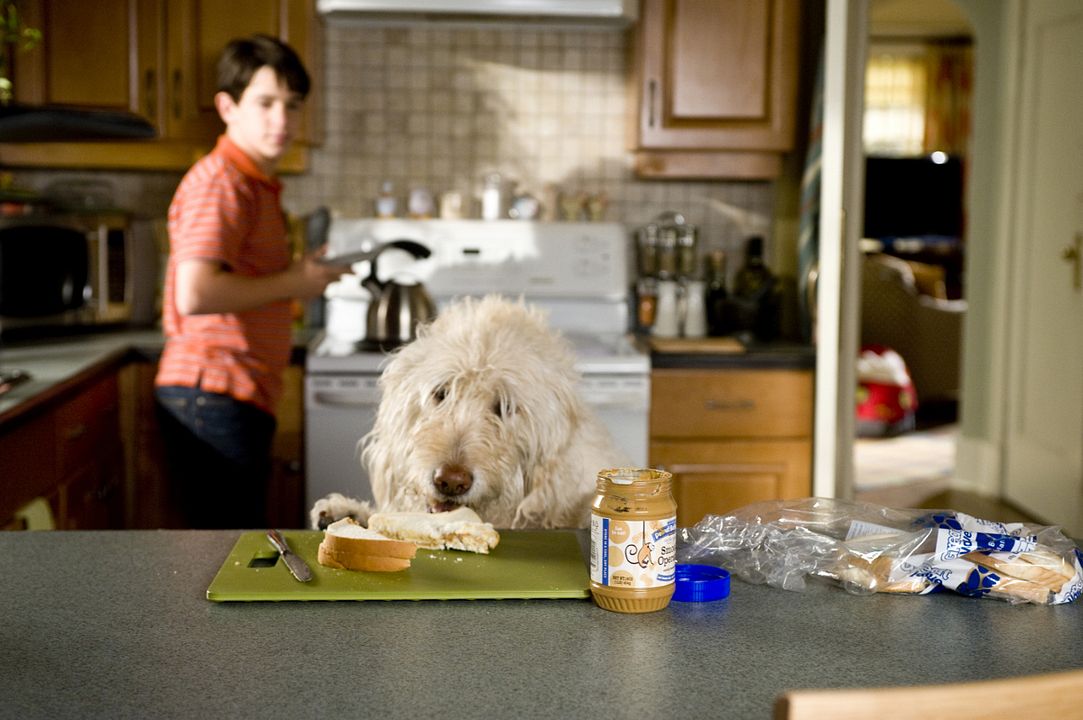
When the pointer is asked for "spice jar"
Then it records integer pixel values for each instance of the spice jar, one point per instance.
(687, 244)
(667, 253)
(492, 197)
(633, 540)
(647, 250)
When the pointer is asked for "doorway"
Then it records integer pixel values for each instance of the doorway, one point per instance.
(913, 300)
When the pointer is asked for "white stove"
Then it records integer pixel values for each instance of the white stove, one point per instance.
(579, 273)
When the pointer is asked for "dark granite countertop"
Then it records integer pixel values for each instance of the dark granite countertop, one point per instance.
(727, 353)
(55, 364)
(116, 624)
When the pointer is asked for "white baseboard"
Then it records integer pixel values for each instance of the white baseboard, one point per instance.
(977, 466)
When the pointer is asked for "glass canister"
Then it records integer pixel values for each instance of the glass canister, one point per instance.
(633, 540)
(647, 250)
(492, 197)
(687, 244)
(667, 253)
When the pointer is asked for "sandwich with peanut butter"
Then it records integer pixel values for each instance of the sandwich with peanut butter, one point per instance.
(458, 529)
(391, 539)
(347, 545)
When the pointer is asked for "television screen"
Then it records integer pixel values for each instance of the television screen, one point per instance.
(913, 197)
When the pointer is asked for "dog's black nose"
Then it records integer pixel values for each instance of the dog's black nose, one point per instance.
(452, 479)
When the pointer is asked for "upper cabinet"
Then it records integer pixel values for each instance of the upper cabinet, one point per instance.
(155, 58)
(716, 86)
(197, 30)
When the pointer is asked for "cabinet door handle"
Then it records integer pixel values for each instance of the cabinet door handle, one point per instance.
(106, 490)
(652, 89)
(1074, 254)
(150, 90)
(723, 405)
(177, 94)
(347, 399)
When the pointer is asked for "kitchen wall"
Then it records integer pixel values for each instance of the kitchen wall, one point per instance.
(439, 106)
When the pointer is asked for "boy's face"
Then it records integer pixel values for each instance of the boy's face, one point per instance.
(265, 120)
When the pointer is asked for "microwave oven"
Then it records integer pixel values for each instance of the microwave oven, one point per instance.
(69, 273)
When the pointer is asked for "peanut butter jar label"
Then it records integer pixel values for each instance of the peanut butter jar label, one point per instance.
(633, 553)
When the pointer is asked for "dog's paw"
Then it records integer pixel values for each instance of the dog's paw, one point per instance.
(531, 514)
(336, 506)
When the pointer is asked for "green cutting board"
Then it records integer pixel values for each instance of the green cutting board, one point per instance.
(526, 564)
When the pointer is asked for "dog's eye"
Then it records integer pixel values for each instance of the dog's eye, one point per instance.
(439, 394)
(501, 408)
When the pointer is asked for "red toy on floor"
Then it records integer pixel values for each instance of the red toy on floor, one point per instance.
(886, 400)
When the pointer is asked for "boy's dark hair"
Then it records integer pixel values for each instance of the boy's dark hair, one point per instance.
(244, 56)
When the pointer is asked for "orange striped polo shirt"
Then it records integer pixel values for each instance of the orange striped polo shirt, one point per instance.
(227, 210)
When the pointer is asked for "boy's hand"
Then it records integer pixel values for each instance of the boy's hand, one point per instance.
(313, 276)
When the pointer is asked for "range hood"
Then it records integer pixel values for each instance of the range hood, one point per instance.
(568, 11)
(57, 123)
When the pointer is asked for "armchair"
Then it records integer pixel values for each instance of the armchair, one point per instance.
(926, 331)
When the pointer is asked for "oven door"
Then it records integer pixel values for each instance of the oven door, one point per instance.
(622, 403)
(339, 411)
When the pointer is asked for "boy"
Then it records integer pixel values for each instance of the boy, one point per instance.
(229, 284)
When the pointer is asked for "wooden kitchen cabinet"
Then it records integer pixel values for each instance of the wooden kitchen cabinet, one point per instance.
(155, 58)
(93, 451)
(286, 491)
(27, 464)
(149, 505)
(151, 502)
(731, 436)
(90, 458)
(68, 452)
(716, 87)
(93, 497)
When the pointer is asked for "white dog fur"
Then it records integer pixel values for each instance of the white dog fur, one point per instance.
(489, 390)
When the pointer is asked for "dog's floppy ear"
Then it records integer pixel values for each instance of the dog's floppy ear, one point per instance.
(379, 446)
(374, 457)
(552, 420)
(546, 418)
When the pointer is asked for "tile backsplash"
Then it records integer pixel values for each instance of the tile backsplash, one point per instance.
(438, 106)
(427, 105)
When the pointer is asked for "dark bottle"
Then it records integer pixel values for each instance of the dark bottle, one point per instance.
(755, 296)
(753, 276)
(717, 297)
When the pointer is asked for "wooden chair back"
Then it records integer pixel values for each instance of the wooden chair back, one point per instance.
(1055, 695)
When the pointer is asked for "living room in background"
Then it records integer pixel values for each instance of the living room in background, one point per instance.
(919, 78)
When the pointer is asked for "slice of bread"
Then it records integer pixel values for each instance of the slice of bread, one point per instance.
(349, 546)
(1040, 567)
(459, 529)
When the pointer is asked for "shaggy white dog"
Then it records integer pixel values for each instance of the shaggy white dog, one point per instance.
(482, 410)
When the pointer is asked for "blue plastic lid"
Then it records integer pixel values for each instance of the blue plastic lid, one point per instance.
(701, 583)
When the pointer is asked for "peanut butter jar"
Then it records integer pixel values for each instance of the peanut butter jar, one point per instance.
(633, 540)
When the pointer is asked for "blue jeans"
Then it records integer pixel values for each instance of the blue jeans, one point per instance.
(218, 452)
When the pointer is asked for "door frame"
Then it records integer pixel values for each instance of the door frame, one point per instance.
(841, 190)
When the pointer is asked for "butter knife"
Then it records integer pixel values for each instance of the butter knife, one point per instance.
(293, 561)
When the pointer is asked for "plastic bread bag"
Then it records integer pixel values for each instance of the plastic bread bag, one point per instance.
(868, 548)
